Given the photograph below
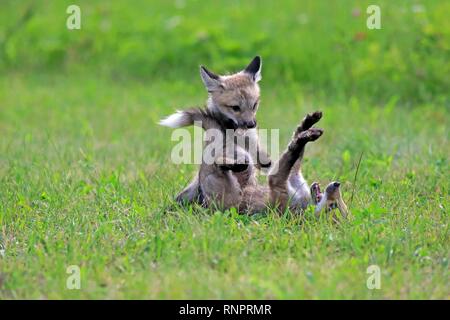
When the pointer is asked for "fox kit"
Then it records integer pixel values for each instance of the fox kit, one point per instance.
(230, 181)
(233, 101)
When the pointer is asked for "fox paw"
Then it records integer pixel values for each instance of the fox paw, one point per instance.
(309, 120)
(312, 134)
(316, 194)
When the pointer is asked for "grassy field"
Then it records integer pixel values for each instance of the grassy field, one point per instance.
(86, 177)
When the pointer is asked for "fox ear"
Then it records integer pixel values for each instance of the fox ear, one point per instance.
(254, 68)
(210, 79)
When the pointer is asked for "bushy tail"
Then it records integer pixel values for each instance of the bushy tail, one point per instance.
(186, 118)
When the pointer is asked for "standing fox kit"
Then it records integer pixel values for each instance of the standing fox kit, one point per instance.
(230, 179)
(232, 104)
(233, 101)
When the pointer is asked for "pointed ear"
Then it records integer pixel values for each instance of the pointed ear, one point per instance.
(211, 80)
(254, 68)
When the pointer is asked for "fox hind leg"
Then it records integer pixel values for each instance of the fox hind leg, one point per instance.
(308, 121)
(296, 179)
(278, 181)
(298, 187)
(220, 187)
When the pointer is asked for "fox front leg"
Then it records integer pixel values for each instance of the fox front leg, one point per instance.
(190, 194)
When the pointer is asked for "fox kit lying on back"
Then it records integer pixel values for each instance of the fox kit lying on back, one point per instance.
(230, 181)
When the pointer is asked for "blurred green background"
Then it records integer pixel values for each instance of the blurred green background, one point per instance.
(323, 47)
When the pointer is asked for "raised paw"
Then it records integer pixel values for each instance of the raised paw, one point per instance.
(309, 120)
(299, 141)
(316, 194)
(312, 118)
(312, 134)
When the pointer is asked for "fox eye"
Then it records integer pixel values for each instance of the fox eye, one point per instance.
(255, 105)
(235, 108)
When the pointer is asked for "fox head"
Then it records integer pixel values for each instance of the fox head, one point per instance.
(234, 99)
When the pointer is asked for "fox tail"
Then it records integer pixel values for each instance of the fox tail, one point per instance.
(185, 118)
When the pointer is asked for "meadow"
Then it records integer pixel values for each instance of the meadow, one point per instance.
(86, 177)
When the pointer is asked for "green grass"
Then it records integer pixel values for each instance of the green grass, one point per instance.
(86, 177)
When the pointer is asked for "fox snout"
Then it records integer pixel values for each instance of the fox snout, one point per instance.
(241, 124)
(249, 124)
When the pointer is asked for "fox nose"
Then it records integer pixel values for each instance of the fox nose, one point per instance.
(336, 184)
(250, 124)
